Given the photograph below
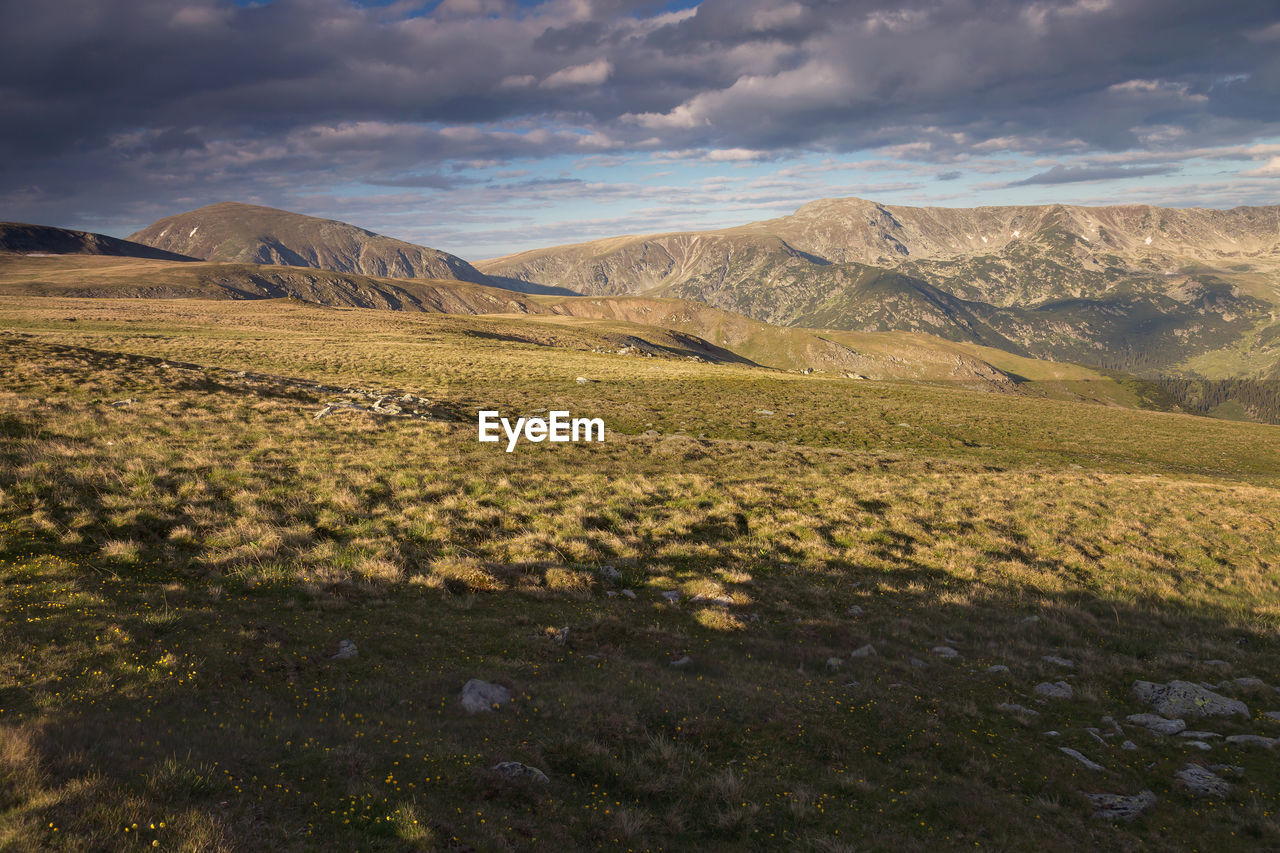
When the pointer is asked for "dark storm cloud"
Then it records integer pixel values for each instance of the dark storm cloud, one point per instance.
(135, 107)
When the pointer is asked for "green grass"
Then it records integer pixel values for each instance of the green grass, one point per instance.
(177, 573)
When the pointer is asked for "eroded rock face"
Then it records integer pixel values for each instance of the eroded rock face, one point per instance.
(1186, 700)
(479, 696)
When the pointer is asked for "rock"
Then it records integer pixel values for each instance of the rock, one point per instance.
(1184, 699)
(1096, 734)
(323, 413)
(1215, 662)
(1272, 715)
(521, 772)
(833, 664)
(582, 380)
(1157, 724)
(1079, 756)
(997, 668)
(867, 651)
(764, 411)
(1013, 708)
(1054, 659)
(945, 652)
(1056, 690)
(718, 601)
(1202, 782)
(1247, 683)
(610, 574)
(1029, 619)
(916, 662)
(1199, 744)
(1252, 740)
(346, 650)
(1129, 745)
(628, 594)
(854, 610)
(1119, 806)
(671, 595)
(682, 661)
(1115, 727)
(1053, 734)
(478, 696)
(120, 404)
(1199, 735)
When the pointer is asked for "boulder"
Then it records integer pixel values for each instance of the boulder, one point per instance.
(479, 696)
(520, 772)
(1120, 806)
(1202, 782)
(1056, 690)
(1184, 699)
(1157, 723)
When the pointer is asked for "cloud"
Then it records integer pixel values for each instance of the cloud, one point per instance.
(1077, 174)
(117, 108)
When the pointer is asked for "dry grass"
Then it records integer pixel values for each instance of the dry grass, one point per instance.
(178, 571)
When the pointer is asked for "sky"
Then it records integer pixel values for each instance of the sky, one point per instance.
(484, 127)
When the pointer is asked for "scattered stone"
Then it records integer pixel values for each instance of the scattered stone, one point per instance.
(1252, 740)
(521, 772)
(997, 668)
(1119, 806)
(1199, 735)
(1202, 782)
(867, 651)
(120, 404)
(582, 380)
(945, 652)
(478, 696)
(1129, 745)
(610, 574)
(1056, 690)
(1184, 699)
(1228, 770)
(1014, 708)
(324, 413)
(1053, 734)
(1157, 724)
(1096, 734)
(626, 593)
(346, 650)
(916, 662)
(854, 610)
(1054, 659)
(1079, 756)
(1199, 744)
(1215, 662)
(833, 664)
(671, 595)
(1246, 683)
(718, 601)
(682, 661)
(764, 411)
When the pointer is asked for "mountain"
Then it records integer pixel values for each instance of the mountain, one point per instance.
(23, 239)
(1147, 289)
(244, 233)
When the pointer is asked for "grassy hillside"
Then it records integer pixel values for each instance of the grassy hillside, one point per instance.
(184, 545)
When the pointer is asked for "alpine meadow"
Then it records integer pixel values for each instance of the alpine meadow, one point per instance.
(832, 427)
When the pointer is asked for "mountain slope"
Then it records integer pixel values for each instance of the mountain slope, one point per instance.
(243, 233)
(1150, 289)
(24, 239)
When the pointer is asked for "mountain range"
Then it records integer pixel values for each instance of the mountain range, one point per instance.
(1147, 289)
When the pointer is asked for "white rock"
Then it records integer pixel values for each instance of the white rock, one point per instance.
(346, 650)
(1054, 659)
(1199, 735)
(1199, 744)
(1014, 708)
(997, 668)
(945, 652)
(1120, 807)
(1130, 745)
(1252, 740)
(1056, 690)
(628, 593)
(867, 651)
(1202, 782)
(671, 595)
(1157, 724)
(683, 661)
(480, 696)
(1079, 756)
(1184, 699)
